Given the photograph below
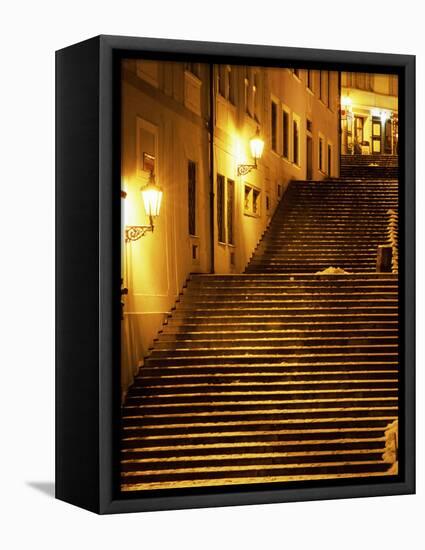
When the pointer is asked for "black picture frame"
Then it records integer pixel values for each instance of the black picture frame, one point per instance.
(88, 276)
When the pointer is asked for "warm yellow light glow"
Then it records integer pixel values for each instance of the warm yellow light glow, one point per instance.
(152, 197)
(346, 101)
(257, 145)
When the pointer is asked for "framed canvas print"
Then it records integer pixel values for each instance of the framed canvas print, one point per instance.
(235, 274)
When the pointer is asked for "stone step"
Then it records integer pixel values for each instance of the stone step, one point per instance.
(133, 416)
(296, 277)
(268, 290)
(223, 398)
(385, 307)
(273, 357)
(249, 450)
(291, 299)
(214, 428)
(180, 327)
(282, 320)
(200, 477)
(132, 465)
(200, 380)
(273, 342)
(253, 334)
(251, 409)
(308, 268)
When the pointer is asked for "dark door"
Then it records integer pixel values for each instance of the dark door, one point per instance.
(388, 138)
(376, 135)
(309, 158)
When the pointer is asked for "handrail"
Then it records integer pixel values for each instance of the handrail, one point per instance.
(393, 237)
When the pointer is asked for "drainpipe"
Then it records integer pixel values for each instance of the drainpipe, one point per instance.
(211, 155)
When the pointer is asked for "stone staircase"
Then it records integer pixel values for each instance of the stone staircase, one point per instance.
(278, 374)
(369, 166)
(337, 223)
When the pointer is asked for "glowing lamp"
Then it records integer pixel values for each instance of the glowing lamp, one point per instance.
(256, 145)
(346, 101)
(152, 198)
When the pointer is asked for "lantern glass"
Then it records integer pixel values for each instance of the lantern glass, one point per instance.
(257, 146)
(152, 197)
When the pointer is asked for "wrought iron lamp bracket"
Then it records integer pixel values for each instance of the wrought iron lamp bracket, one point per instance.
(135, 232)
(244, 169)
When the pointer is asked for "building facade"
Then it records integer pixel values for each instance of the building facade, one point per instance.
(190, 124)
(369, 113)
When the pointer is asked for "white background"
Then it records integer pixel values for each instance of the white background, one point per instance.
(30, 32)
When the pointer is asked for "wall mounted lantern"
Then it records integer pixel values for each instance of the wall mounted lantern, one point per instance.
(152, 197)
(257, 146)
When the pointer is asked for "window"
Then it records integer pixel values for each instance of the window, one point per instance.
(256, 96)
(321, 145)
(148, 71)
(393, 85)
(309, 125)
(248, 92)
(191, 196)
(279, 190)
(328, 85)
(324, 76)
(225, 85)
(285, 134)
(251, 201)
(255, 201)
(220, 209)
(274, 126)
(329, 160)
(310, 79)
(267, 203)
(296, 142)
(231, 96)
(194, 68)
(225, 210)
(221, 76)
(320, 85)
(230, 211)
